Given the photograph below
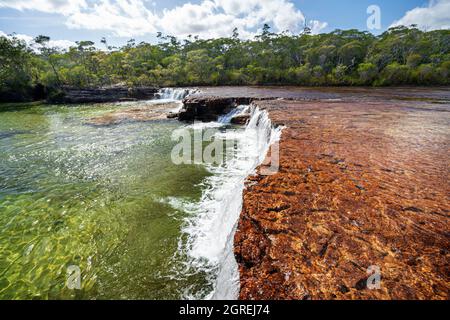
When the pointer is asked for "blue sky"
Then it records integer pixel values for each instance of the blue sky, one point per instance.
(119, 20)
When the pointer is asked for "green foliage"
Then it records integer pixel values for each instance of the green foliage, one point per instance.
(399, 56)
(395, 74)
(16, 71)
(425, 74)
(339, 75)
(367, 73)
(414, 60)
(444, 73)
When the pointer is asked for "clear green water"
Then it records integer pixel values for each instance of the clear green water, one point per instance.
(94, 197)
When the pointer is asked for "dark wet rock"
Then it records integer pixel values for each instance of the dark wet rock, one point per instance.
(209, 108)
(241, 119)
(106, 94)
(173, 115)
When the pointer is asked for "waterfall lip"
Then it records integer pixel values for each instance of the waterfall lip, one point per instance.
(210, 229)
(174, 94)
(167, 95)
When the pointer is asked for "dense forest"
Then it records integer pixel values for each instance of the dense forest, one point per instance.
(399, 56)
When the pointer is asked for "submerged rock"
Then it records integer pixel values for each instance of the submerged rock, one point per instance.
(12, 133)
(141, 113)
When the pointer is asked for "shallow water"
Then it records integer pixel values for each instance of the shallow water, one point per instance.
(105, 197)
(100, 198)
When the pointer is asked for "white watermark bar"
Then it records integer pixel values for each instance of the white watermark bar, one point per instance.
(374, 19)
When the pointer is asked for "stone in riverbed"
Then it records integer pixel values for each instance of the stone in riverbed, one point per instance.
(139, 113)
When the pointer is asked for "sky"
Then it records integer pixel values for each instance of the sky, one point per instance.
(67, 21)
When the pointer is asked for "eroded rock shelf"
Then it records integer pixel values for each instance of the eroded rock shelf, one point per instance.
(361, 183)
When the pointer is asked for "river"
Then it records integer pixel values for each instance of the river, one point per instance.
(94, 187)
(106, 199)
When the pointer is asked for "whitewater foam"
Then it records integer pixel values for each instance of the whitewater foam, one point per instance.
(210, 228)
(173, 94)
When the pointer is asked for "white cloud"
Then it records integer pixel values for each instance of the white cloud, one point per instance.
(29, 40)
(63, 7)
(125, 18)
(207, 19)
(433, 17)
(198, 19)
(215, 18)
(317, 26)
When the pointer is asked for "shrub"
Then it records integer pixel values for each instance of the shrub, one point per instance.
(367, 73)
(395, 74)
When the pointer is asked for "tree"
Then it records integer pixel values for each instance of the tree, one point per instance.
(425, 74)
(395, 74)
(414, 60)
(367, 73)
(235, 35)
(85, 50)
(444, 73)
(351, 54)
(16, 70)
(401, 55)
(339, 75)
(50, 55)
(199, 67)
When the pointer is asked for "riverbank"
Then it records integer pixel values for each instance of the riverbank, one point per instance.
(363, 183)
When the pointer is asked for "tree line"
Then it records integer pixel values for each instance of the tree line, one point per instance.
(399, 56)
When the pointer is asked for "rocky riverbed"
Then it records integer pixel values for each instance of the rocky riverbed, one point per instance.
(359, 185)
(147, 111)
(362, 184)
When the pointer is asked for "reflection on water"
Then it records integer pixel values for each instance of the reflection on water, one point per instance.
(95, 197)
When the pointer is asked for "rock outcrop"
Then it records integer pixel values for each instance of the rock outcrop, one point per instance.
(361, 187)
(209, 108)
(106, 94)
(240, 119)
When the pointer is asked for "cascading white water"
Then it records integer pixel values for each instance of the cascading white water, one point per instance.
(176, 94)
(211, 230)
(242, 109)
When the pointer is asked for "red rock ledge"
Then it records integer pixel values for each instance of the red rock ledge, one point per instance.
(360, 184)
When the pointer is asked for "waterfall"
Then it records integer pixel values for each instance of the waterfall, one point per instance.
(242, 109)
(176, 94)
(211, 230)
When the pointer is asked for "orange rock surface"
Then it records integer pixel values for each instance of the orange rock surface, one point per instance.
(360, 184)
